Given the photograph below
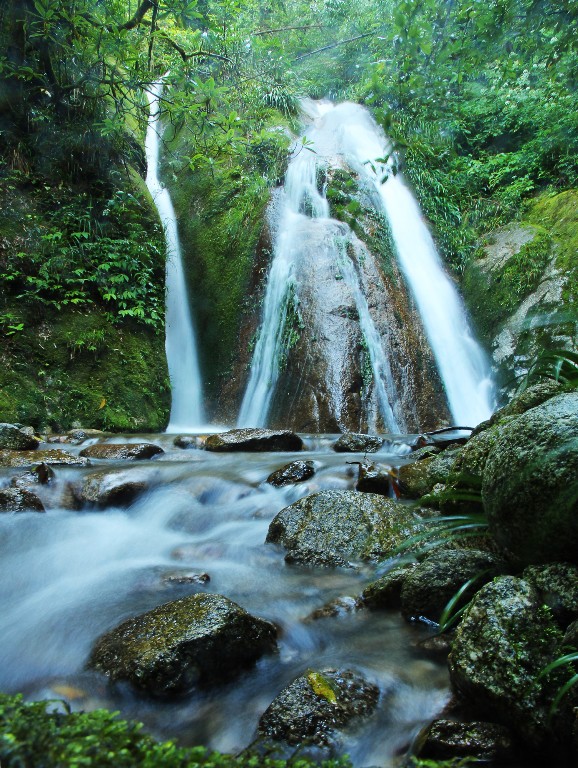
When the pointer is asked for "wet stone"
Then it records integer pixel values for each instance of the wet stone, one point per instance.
(42, 474)
(338, 607)
(52, 457)
(185, 577)
(375, 478)
(16, 438)
(125, 451)
(254, 440)
(19, 500)
(352, 442)
(447, 740)
(385, 592)
(317, 704)
(118, 488)
(296, 472)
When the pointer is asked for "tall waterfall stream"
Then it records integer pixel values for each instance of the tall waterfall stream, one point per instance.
(67, 576)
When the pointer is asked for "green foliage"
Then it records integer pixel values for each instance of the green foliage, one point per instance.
(42, 734)
(566, 660)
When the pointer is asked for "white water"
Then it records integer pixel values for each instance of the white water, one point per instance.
(461, 362)
(180, 342)
(304, 220)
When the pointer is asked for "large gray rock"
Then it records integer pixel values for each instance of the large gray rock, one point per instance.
(113, 488)
(52, 457)
(352, 442)
(19, 500)
(331, 527)
(199, 640)
(429, 587)
(254, 440)
(316, 704)
(505, 639)
(530, 485)
(125, 451)
(14, 438)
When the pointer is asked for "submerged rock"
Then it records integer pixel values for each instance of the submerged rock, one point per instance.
(448, 740)
(428, 587)
(14, 438)
(19, 500)
(52, 457)
(41, 474)
(331, 527)
(113, 488)
(530, 485)
(255, 440)
(504, 641)
(296, 472)
(376, 478)
(317, 704)
(338, 607)
(203, 639)
(352, 442)
(127, 451)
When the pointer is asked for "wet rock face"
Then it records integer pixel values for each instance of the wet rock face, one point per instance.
(530, 485)
(506, 638)
(331, 527)
(113, 488)
(296, 472)
(447, 740)
(352, 442)
(316, 704)
(19, 500)
(15, 438)
(428, 588)
(198, 640)
(52, 457)
(127, 451)
(375, 478)
(254, 440)
(557, 584)
(385, 592)
(418, 478)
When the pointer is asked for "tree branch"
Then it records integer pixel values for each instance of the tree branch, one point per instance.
(141, 12)
(333, 45)
(286, 29)
(194, 54)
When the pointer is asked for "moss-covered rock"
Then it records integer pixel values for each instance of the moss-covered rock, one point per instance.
(14, 438)
(198, 640)
(332, 527)
(385, 592)
(316, 705)
(557, 584)
(19, 500)
(530, 485)
(50, 457)
(418, 478)
(479, 741)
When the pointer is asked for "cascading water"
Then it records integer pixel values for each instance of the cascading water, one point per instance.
(180, 342)
(461, 362)
(304, 223)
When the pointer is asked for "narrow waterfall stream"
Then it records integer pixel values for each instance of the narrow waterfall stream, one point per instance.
(345, 136)
(180, 342)
(69, 575)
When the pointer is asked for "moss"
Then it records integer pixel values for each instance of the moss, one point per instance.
(321, 686)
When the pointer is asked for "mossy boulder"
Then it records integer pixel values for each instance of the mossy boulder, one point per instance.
(427, 589)
(530, 485)
(316, 705)
(14, 438)
(504, 641)
(296, 472)
(352, 442)
(254, 440)
(50, 457)
(330, 528)
(557, 584)
(124, 451)
(418, 478)
(19, 500)
(198, 640)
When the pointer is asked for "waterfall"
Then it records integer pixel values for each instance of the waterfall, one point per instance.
(461, 362)
(304, 224)
(180, 343)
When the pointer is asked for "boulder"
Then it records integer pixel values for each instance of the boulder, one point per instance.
(14, 438)
(557, 584)
(530, 485)
(296, 472)
(331, 527)
(376, 478)
(418, 478)
(41, 474)
(254, 440)
(19, 500)
(125, 451)
(481, 741)
(79, 435)
(429, 587)
(113, 488)
(504, 641)
(186, 441)
(316, 704)
(203, 639)
(385, 592)
(351, 442)
(52, 457)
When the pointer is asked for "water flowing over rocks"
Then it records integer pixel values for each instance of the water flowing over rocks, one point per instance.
(19, 500)
(41, 474)
(14, 438)
(316, 705)
(530, 484)
(332, 527)
(198, 640)
(124, 451)
(355, 443)
(296, 472)
(51, 457)
(254, 440)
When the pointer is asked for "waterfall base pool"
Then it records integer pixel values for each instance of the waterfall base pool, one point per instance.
(69, 575)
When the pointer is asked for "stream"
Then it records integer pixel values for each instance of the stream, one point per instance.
(68, 576)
